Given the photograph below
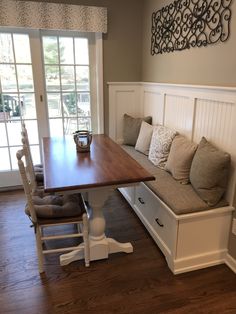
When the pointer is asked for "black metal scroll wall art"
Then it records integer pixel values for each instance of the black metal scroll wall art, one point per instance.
(190, 23)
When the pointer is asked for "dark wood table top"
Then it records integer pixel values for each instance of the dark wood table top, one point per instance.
(106, 164)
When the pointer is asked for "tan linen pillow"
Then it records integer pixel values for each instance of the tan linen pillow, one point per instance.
(162, 138)
(209, 172)
(144, 138)
(131, 128)
(180, 158)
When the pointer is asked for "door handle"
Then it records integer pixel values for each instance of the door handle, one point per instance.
(159, 223)
(141, 200)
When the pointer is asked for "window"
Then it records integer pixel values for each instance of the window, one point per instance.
(52, 81)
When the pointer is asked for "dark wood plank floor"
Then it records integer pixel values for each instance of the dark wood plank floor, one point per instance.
(137, 283)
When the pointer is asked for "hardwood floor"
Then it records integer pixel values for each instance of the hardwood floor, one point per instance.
(137, 283)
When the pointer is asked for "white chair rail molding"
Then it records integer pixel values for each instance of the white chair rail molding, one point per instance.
(195, 236)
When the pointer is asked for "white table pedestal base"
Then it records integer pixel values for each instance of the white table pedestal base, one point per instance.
(100, 246)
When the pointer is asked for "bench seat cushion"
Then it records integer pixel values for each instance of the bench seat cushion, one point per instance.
(182, 199)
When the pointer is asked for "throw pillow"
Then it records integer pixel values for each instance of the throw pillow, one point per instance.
(209, 172)
(180, 158)
(131, 128)
(144, 138)
(162, 138)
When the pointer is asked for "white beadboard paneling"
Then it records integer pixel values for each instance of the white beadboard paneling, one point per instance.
(179, 114)
(214, 120)
(153, 105)
(123, 99)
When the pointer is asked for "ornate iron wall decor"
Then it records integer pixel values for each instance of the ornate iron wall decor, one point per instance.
(190, 23)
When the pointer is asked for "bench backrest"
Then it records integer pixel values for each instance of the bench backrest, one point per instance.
(193, 111)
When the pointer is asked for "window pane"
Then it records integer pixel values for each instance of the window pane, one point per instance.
(5, 163)
(27, 104)
(3, 137)
(66, 50)
(54, 105)
(83, 103)
(8, 78)
(35, 154)
(67, 78)
(22, 48)
(50, 50)
(25, 78)
(81, 51)
(14, 133)
(56, 127)
(69, 104)
(52, 78)
(32, 129)
(70, 126)
(10, 103)
(14, 162)
(85, 124)
(82, 78)
(6, 51)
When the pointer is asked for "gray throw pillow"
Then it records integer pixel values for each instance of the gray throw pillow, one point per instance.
(180, 158)
(209, 172)
(132, 127)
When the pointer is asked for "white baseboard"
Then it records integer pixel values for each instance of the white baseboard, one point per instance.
(230, 262)
(200, 261)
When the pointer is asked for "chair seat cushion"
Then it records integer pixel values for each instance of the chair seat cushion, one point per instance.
(57, 206)
(39, 177)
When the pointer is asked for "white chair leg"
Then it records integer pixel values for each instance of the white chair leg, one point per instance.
(39, 248)
(86, 240)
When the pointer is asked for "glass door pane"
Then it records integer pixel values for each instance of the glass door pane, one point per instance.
(67, 68)
(17, 98)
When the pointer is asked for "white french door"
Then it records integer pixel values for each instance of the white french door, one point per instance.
(49, 80)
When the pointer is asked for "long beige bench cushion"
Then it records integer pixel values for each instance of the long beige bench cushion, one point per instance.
(182, 199)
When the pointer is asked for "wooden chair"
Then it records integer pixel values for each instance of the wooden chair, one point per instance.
(53, 210)
(38, 169)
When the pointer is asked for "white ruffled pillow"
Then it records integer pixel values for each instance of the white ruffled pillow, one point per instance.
(162, 138)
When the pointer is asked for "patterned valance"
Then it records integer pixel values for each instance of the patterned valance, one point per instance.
(43, 15)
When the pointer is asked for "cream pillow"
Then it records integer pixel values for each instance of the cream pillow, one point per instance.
(180, 158)
(144, 138)
(162, 138)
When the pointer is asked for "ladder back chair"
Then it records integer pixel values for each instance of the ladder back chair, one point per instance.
(53, 210)
(36, 169)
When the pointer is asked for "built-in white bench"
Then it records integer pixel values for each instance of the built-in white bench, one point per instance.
(191, 240)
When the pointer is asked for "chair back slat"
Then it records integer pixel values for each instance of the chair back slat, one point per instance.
(26, 181)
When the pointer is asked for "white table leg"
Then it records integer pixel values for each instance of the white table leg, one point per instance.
(100, 245)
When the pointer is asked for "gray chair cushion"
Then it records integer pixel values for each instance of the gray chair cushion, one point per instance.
(39, 177)
(209, 172)
(131, 128)
(57, 206)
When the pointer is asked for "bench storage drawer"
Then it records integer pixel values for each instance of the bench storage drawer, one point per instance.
(157, 219)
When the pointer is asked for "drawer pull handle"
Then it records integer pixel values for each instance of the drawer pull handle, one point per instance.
(159, 223)
(141, 200)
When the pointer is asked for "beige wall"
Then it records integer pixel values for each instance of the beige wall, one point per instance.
(122, 43)
(212, 65)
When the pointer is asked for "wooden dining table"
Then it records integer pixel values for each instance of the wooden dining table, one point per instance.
(96, 173)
